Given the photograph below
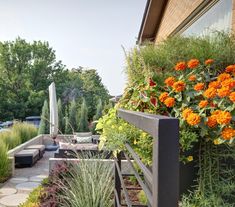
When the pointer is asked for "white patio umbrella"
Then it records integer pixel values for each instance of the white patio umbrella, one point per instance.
(53, 111)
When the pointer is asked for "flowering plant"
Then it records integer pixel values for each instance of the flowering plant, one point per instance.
(202, 100)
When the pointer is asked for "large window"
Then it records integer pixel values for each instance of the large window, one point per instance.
(218, 17)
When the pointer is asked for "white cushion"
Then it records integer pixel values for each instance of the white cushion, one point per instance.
(30, 152)
(84, 139)
(83, 134)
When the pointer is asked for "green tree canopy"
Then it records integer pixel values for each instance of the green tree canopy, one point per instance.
(26, 71)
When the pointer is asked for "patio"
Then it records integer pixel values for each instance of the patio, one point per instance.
(16, 190)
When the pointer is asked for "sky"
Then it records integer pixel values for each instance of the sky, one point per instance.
(87, 33)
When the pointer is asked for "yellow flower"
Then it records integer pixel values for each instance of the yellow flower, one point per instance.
(190, 158)
(120, 128)
(135, 142)
(217, 142)
(112, 126)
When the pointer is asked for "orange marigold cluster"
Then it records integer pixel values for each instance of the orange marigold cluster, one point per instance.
(180, 66)
(170, 81)
(223, 92)
(228, 133)
(193, 119)
(210, 93)
(193, 63)
(203, 104)
(230, 69)
(192, 78)
(199, 86)
(211, 121)
(163, 96)
(186, 112)
(179, 86)
(228, 83)
(214, 84)
(232, 97)
(169, 102)
(209, 61)
(223, 117)
(223, 77)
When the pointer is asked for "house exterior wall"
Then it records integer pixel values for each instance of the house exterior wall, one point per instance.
(175, 13)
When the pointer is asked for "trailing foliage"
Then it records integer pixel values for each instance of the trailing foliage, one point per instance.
(44, 126)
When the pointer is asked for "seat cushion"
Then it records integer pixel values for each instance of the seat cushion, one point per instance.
(38, 146)
(29, 152)
(83, 134)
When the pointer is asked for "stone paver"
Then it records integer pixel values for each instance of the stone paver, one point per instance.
(13, 200)
(27, 186)
(7, 191)
(17, 180)
(38, 178)
(24, 181)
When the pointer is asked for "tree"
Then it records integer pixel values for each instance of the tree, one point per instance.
(26, 71)
(83, 124)
(93, 90)
(44, 126)
(72, 119)
(61, 117)
(97, 115)
(68, 129)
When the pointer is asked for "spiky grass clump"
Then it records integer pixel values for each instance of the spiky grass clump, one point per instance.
(90, 184)
(4, 162)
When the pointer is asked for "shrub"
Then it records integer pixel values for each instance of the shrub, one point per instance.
(44, 126)
(158, 60)
(61, 117)
(83, 125)
(97, 115)
(72, 117)
(4, 162)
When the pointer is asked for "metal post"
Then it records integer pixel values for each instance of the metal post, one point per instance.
(166, 164)
(117, 181)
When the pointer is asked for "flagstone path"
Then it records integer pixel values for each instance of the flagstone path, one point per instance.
(16, 190)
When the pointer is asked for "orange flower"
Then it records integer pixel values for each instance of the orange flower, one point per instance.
(180, 66)
(193, 119)
(228, 83)
(193, 63)
(209, 61)
(170, 81)
(203, 104)
(223, 117)
(216, 112)
(210, 93)
(223, 76)
(179, 86)
(199, 86)
(223, 92)
(228, 133)
(214, 84)
(163, 96)
(169, 102)
(211, 121)
(230, 68)
(186, 113)
(192, 78)
(232, 97)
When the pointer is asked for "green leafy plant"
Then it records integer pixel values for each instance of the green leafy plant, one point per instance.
(44, 123)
